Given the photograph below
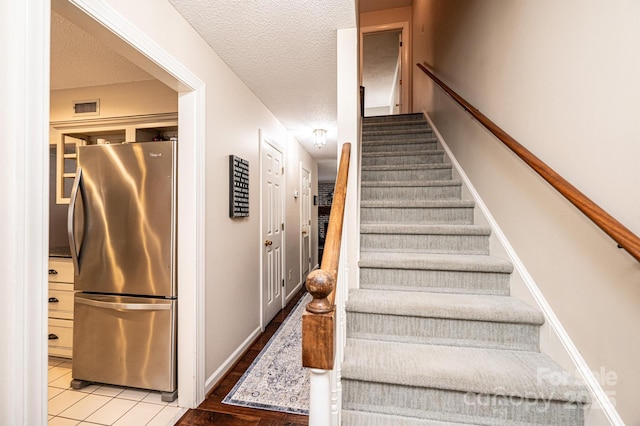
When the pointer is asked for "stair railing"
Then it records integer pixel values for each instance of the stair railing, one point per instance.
(617, 231)
(319, 321)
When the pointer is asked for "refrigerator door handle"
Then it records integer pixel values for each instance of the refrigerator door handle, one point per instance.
(71, 231)
(124, 306)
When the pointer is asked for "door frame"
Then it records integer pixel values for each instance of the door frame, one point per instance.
(303, 168)
(264, 138)
(407, 101)
(29, 27)
(191, 181)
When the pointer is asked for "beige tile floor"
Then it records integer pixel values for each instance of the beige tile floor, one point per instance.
(104, 405)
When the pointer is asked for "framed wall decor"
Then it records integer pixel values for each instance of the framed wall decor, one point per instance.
(238, 187)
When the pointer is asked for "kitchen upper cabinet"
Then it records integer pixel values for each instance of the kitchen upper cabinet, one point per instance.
(68, 135)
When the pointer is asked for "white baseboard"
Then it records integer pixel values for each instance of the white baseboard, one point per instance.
(228, 364)
(293, 292)
(597, 393)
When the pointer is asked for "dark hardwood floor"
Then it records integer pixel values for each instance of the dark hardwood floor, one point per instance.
(213, 412)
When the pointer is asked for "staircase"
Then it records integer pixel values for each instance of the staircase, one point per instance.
(433, 336)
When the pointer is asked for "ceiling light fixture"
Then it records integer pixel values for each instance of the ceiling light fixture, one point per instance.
(319, 138)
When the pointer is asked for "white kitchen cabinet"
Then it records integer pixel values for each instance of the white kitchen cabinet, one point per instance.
(68, 135)
(60, 307)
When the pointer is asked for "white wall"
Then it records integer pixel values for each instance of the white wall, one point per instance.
(116, 100)
(561, 77)
(349, 131)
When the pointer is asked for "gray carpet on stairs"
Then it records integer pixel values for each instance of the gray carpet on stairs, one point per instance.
(433, 335)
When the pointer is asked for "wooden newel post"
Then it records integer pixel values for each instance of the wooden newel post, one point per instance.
(320, 284)
(318, 322)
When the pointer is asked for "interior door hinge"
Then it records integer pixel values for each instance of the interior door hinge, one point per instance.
(283, 170)
(282, 226)
(283, 282)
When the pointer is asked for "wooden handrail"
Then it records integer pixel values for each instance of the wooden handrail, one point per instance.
(622, 235)
(318, 320)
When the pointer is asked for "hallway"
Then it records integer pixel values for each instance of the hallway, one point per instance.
(213, 411)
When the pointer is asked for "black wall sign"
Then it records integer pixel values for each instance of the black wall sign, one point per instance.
(238, 187)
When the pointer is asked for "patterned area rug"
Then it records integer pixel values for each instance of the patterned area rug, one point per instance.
(276, 379)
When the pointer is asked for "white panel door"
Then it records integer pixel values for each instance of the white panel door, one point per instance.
(305, 222)
(272, 224)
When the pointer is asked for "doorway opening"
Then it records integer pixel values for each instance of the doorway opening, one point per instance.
(114, 31)
(305, 223)
(384, 69)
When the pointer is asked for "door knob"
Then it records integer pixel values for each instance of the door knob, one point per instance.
(268, 242)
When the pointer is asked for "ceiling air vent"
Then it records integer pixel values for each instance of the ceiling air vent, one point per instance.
(91, 107)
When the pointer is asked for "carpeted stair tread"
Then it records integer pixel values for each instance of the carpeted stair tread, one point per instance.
(418, 238)
(421, 229)
(394, 117)
(462, 369)
(399, 167)
(431, 261)
(433, 335)
(409, 122)
(412, 184)
(409, 130)
(381, 124)
(444, 305)
(405, 133)
(418, 203)
(398, 142)
(402, 153)
(362, 418)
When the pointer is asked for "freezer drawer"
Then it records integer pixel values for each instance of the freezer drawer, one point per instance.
(125, 341)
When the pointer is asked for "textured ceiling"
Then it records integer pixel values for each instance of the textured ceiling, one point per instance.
(79, 60)
(285, 51)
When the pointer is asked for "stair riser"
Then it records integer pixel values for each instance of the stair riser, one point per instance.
(407, 128)
(399, 147)
(406, 175)
(451, 215)
(436, 281)
(427, 243)
(411, 193)
(443, 331)
(392, 118)
(398, 127)
(425, 136)
(395, 160)
(454, 406)
(360, 418)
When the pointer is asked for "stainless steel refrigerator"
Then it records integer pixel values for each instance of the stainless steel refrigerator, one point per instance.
(122, 237)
